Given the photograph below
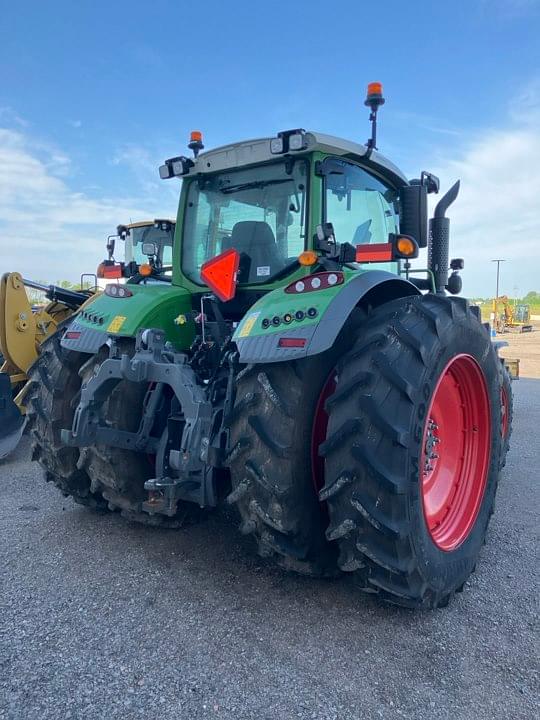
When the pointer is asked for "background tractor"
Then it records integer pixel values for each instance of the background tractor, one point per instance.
(293, 365)
(145, 242)
(24, 326)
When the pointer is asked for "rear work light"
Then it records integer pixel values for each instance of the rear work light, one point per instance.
(291, 342)
(118, 291)
(175, 167)
(317, 281)
(289, 141)
(376, 252)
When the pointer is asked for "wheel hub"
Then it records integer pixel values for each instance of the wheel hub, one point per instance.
(432, 440)
(455, 452)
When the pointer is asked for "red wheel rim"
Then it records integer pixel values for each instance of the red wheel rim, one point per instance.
(455, 457)
(504, 412)
(318, 430)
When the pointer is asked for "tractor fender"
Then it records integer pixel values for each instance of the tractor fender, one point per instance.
(83, 339)
(165, 307)
(381, 286)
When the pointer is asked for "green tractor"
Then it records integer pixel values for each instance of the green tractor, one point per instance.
(293, 366)
(147, 242)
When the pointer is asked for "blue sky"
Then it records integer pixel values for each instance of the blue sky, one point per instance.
(95, 95)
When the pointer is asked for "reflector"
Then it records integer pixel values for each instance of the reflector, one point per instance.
(377, 252)
(220, 273)
(112, 272)
(292, 342)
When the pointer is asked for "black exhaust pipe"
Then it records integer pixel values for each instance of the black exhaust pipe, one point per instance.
(439, 240)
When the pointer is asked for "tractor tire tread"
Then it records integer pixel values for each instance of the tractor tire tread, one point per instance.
(366, 489)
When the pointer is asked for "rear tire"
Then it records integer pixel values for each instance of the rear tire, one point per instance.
(274, 485)
(376, 468)
(507, 411)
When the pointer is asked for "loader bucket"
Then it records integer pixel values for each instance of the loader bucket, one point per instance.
(11, 421)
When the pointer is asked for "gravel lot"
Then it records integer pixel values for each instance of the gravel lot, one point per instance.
(104, 619)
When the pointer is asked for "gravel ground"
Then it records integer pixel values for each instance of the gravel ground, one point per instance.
(105, 619)
(526, 347)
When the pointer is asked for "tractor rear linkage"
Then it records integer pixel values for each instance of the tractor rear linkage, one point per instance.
(193, 444)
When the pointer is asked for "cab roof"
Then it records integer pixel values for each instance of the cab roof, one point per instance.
(146, 223)
(251, 152)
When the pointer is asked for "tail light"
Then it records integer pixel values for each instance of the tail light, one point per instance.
(317, 281)
(292, 342)
(118, 291)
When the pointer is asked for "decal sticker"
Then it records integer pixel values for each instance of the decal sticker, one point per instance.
(263, 270)
(116, 324)
(248, 324)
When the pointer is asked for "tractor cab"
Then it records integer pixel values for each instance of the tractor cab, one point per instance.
(296, 204)
(147, 244)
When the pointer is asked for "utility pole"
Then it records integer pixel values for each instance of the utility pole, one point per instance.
(494, 313)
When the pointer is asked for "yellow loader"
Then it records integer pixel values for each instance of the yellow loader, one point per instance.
(23, 329)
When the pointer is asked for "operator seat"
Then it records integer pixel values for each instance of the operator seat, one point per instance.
(257, 240)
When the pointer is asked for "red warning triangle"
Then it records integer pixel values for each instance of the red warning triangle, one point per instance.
(220, 272)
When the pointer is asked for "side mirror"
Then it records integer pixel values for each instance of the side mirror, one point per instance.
(150, 249)
(413, 218)
(111, 241)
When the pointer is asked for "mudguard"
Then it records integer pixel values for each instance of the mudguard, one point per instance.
(329, 310)
(162, 306)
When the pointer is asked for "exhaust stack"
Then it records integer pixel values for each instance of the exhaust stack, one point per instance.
(439, 240)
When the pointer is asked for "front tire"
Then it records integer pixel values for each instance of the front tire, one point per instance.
(410, 486)
(53, 394)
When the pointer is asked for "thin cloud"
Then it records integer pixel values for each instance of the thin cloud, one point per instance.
(496, 214)
(48, 229)
(8, 116)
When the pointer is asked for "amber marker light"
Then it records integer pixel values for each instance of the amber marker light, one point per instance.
(374, 88)
(308, 258)
(406, 246)
(145, 270)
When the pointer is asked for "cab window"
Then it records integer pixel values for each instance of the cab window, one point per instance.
(361, 208)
